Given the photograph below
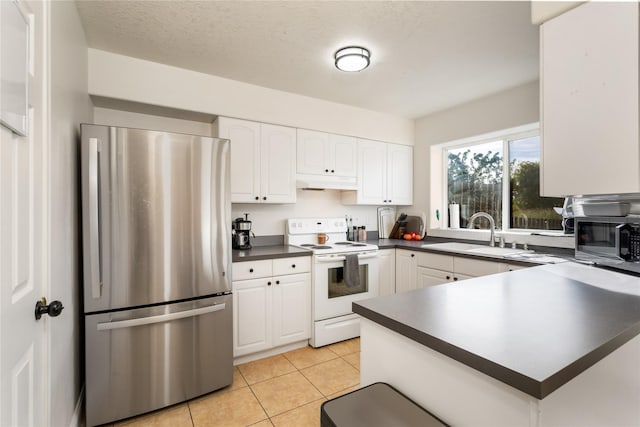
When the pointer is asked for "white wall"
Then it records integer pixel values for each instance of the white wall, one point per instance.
(133, 80)
(126, 78)
(503, 110)
(270, 219)
(542, 11)
(111, 117)
(70, 105)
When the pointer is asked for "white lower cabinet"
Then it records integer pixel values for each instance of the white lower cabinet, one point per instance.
(273, 309)
(430, 277)
(406, 264)
(416, 269)
(387, 271)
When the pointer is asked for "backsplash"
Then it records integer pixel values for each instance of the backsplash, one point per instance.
(269, 219)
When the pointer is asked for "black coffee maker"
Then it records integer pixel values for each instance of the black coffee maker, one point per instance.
(241, 233)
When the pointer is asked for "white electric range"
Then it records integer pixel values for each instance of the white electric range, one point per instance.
(332, 317)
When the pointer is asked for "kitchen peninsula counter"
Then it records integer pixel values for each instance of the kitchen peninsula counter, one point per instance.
(539, 336)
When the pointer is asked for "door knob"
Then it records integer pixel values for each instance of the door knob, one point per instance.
(54, 309)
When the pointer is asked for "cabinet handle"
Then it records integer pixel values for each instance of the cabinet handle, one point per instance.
(332, 171)
(293, 266)
(412, 255)
(264, 198)
(268, 283)
(326, 170)
(277, 282)
(257, 198)
(455, 279)
(448, 277)
(251, 270)
(389, 200)
(384, 201)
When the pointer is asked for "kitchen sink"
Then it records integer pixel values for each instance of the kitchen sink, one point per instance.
(454, 246)
(495, 252)
(470, 248)
(489, 250)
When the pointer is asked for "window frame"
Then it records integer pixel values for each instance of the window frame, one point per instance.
(439, 191)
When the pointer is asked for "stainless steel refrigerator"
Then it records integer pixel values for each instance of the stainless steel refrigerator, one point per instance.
(156, 219)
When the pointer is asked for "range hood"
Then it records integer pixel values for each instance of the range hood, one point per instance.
(321, 182)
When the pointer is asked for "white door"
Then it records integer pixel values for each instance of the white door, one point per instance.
(387, 262)
(399, 174)
(23, 242)
(406, 264)
(343, 155)
(251, 316)
(245, 158)
(372, 173)
(291, 308)
(312, 152)
(278, 164)
(428, 277)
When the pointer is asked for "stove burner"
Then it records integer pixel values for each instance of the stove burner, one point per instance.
(308, 245)
(344, 243)
(320, 247)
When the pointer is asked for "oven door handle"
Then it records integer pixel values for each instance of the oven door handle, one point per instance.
(328, 258)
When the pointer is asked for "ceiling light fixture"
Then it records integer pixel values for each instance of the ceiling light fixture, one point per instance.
(352, 58)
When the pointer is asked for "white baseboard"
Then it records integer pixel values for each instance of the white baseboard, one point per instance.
(271, 352)
(77, 420)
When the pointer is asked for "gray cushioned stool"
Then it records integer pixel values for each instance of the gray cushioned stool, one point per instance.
(378, 404)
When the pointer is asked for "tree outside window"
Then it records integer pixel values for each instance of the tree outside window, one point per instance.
(475, 182)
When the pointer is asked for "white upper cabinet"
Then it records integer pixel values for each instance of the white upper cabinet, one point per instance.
(589, 100)
(326, 154)
(385, 174)
(263, 161)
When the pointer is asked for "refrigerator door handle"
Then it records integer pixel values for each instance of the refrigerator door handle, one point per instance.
(94, 219)
(160, 318)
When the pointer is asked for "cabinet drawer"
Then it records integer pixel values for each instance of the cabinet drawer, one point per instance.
(251, 269)
(437, 261)
(292, 265)
(475, 267)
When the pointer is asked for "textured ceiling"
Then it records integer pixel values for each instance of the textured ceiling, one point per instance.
(426, 55)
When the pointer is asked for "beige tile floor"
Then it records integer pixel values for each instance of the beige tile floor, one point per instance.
(282, 390)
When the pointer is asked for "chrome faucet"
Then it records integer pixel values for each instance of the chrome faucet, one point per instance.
(492, 225)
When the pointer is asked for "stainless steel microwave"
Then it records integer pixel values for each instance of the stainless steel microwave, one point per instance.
(609, 241)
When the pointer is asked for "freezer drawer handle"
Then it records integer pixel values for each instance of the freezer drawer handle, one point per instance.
(160, 318)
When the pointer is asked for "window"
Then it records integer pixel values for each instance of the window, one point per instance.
(475, 180)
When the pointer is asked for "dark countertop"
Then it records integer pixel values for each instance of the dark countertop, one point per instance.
(418, 246)
(283, 251)
(268, 252)
(534, 329)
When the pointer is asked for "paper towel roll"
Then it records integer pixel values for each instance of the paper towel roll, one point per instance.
(454, 215)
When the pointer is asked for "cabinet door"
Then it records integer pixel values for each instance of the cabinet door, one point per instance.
(245, 158)
(429, 277)
(278, 164)
(342, 155)
(511, 267)
(252, 323)
(589, 98)
(291, 308)
(312, 152)
(387, 270)
(405, 270)
(372, 173)
(475, 267)
(399, 174)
